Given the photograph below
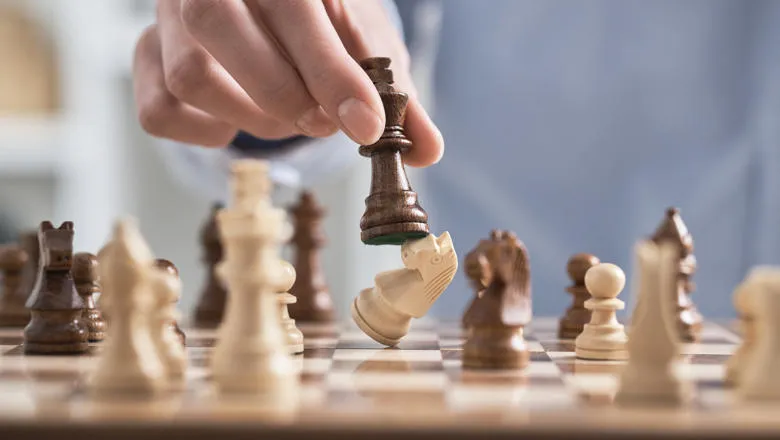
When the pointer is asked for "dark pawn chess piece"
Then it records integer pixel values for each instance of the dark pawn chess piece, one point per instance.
(171, 268)
(498, 318)
(392, 214)
(211, 305)
(29, 242)
(313, 303)
(478, 276)
(13, 313)
(672, 228)
(56, 325)
(85, 275)
(576, 316)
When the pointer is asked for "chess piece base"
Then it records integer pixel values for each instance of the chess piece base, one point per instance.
(366, 310)
(55, 332)
(394, 234)
(601, 355)
(95, 325)
(496, 348)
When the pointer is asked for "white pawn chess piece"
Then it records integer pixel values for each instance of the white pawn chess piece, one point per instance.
(128, 362)
(291, 332)
(251, 355)
(166, 287)
(759, 379)
(651, 376)
(744, 303)
(604, 338)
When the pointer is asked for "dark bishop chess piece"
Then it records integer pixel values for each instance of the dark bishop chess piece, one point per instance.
(85, 275)
(55, 324)
(672, 228)
(392, 214)
(13, 313)
(313, 303)
(572, 323)
(171, 268)
(477, 274)
(499, 316)
(211, 305)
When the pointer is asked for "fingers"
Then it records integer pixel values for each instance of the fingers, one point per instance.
(227, 30)
(194, 77)
(427, 139)
(333, 78)
(159, 112)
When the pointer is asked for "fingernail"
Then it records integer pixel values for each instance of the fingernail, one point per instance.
(360, 121)
(315, 122)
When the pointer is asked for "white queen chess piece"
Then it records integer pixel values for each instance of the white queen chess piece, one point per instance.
(251, 355)
(604, 338)
(384, 312)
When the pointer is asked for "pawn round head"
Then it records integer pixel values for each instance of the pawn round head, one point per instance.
(85, 267)
(286, 276)
(12, 258)
(605, 280)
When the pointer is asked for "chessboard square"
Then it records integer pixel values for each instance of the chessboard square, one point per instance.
(542, 369)
(386, 381)
(707, 359)
(316, 365)
(451, 343)
(320, 342)
(11, 340)
(387, 354)
(714, 333)
(6, 348)
(382, 365)
(701, 372)
(572, 365)
(550, 345)
(318, 353)
(504, 398)
(592, 384)
(534, 346)
(717, 349)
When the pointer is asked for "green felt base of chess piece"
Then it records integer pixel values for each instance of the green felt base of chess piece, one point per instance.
(396, 239)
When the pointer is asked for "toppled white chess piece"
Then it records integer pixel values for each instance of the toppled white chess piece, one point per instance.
(604, 338)
(384, 312)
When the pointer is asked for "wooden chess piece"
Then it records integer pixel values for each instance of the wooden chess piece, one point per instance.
(744, 303)
(603, 338)
(651, 376)
(85, 275)
(211, 306)
(384, 312)
(168, 267)
(292, 334)
(478, 275)
(29, 242)
(393, 214)
(758, 379)
(13, 313)
(56, 325)
(689, 320)
(313, 303)
(573, 321)
(495, 338)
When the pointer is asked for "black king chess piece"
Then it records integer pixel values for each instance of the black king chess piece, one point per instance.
(393, 214)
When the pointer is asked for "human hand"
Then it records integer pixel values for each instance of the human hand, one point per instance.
(274, 69)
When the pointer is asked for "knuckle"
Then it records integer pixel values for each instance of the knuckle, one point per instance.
(188, 74)
(154, 115)
(284, 92)
(201, 13)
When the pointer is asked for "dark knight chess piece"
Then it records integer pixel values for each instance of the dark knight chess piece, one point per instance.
(499, 316)
(672, 228)
(576, 316)
(211, 305)
(393, 214)
(56, 325)
(479, 276)
(313, 303)
(171, 268)
(85, 275)
(13, 313)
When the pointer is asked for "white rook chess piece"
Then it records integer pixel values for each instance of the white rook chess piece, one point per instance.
(251, 355)
(651, 376)
(604, 338)
(758, 378)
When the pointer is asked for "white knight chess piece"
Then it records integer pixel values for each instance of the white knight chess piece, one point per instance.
(384, 312)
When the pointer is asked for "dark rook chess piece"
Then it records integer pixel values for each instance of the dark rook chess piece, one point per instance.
(672, 228)
(313, 299)
(392, 214)
(168, 266)
(55, 324)
(572, 323)
(477, 274)
(85, 275)
(499, 316)
(13, 313)
(211, 306)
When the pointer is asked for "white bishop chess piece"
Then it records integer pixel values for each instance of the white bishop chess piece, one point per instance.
(128, 362)
(651, 376)
(604, 338)
(251, 355)
(758, 379)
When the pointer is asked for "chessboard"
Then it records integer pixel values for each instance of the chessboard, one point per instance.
(352, 386)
